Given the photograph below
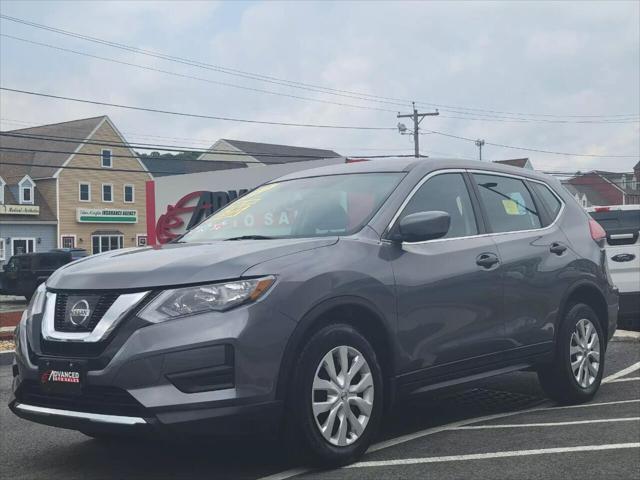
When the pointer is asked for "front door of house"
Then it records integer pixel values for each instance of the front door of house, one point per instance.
(23, 245)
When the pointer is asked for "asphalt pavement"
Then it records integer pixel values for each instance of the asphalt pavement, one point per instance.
(495, 429)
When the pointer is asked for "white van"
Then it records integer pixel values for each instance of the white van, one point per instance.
(622, 224)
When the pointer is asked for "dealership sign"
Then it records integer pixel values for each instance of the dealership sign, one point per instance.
(197, 206)
(106, 215)
(19, 210)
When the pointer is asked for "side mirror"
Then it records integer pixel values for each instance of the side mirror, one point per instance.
(422, 226)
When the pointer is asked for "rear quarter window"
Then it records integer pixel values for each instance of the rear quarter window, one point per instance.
(549, 200)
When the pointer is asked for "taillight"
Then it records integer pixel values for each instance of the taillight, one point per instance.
(597, 232)
(603, 209)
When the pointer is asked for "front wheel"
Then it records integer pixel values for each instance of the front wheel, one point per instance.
(576, 373)
(336, 396)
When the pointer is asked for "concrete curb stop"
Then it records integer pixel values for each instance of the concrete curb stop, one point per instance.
(626, 336)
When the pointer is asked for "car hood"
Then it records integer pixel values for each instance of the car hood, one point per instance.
(175, 264)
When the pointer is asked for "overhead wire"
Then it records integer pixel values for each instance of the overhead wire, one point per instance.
(302, 85)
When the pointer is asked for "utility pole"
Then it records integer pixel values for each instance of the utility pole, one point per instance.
(417, 118)
(480, 144)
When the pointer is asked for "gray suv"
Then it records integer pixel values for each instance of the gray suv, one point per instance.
(315, 301)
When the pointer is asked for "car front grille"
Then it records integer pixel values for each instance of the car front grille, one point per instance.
(93, 399)
(100, 304)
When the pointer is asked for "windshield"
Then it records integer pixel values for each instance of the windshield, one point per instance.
(305, 207)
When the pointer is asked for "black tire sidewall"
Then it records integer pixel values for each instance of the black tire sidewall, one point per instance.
(574, 314)
(316, 348)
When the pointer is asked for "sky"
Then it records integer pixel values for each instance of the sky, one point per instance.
(556, 67)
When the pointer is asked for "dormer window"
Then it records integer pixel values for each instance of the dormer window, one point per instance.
(26, 187)
(623, 181)
(106, 156)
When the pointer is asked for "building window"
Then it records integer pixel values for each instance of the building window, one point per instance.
(107, 161)
(129, 194)
(68, 241)
(2, 184)
(26, 187)
(22, 245)
(105, 243)
(107, 192)
(141, 240)
(2, 254)
(84, 192)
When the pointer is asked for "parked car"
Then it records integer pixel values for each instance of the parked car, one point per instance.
(76, 253)
(317, 300)
(622, 224)
(24, 272)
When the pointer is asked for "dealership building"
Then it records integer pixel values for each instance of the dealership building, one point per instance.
(70, 185)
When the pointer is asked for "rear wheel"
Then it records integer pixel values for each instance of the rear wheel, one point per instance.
(336, 396)
(576, 373)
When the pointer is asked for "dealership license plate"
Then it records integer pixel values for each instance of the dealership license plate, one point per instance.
(61, 376)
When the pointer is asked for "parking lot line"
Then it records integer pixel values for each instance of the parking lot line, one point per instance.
(548, 424)
(622, 373)
(483, 456)
(547, 405)
(627, 379)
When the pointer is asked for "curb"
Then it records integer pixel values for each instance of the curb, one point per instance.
(6, 358)
(626, 336)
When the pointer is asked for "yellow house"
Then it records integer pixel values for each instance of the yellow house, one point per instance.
(83, 172)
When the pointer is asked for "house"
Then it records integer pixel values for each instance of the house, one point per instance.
(70, 184)
(599, 187)
(517, 162)
(253, 154)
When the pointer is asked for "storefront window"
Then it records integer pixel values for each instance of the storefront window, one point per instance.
(105, 243)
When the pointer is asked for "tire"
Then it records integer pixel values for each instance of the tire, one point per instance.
(313, 390)
(560, 379)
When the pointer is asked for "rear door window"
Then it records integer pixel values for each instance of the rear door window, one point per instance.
(508, 203)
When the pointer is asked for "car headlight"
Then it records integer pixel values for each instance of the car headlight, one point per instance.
(36, 304)
(205, 298)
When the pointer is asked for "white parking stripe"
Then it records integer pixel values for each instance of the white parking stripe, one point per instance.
(626, 379)
(484, 456)
(622, 373)
(294, 472)
(548, 424)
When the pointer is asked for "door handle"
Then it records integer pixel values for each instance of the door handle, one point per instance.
(557, 248)
(487, 260)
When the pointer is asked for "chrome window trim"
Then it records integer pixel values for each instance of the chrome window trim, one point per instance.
(480, 235)
(93, 417)
(112, 317)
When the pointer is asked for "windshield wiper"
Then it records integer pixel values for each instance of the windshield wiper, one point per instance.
(249, 237)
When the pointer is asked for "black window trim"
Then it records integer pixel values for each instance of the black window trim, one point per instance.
(478, 207)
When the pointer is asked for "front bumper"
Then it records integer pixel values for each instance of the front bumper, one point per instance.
(215, 374)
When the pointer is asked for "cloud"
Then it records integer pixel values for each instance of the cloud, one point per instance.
(531, 57)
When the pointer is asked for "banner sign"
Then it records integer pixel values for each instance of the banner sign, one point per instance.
(106, 215)
(19, 210)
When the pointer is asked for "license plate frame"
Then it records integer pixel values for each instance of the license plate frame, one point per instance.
(64, 377)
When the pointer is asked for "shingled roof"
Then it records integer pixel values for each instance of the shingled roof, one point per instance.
(17, 146)
(273, 153)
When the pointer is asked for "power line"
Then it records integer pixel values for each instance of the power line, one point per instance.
(476, 116)
(194, 115)
(201, 79)
(537, 150)
(293, 84)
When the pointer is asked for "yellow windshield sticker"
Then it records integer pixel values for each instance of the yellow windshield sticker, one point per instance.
(510, 207)
(243, 203)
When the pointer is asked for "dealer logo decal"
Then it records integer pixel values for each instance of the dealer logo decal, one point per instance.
(60, 376)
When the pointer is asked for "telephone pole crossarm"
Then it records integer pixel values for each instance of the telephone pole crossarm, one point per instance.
(417, 119)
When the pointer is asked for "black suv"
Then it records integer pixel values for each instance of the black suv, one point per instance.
(319, 298)
(24, 272)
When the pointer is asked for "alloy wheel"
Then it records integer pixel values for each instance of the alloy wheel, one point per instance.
(584, 353)
(342, 395)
